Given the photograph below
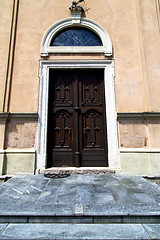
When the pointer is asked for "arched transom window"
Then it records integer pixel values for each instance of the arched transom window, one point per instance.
(76, 36)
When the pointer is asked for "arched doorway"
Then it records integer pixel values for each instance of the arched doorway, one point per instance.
(81, 135)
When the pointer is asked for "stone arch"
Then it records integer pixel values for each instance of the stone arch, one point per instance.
(106, 49)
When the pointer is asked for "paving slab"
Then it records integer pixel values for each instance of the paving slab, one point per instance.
(121, 210)
(74, 195)
(2, 227)
(39, 210)
(74, 231)
(153, 230)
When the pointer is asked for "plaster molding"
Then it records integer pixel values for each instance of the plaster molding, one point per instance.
(138, 115)
(80, 22)
(18, 115)
(24, 115)
(108, 66)
(3, 116)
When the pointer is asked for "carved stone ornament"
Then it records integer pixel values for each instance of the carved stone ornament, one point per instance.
(76, 10)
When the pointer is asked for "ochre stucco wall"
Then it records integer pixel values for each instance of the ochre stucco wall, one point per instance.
(5, 28)
(129, 25)
(151, 44)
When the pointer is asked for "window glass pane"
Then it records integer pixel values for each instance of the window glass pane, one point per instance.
(76, 37)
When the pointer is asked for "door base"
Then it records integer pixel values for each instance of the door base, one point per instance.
(51, 172)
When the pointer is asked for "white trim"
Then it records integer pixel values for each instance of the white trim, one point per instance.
(108, 66)
(81, 22)
(2, 151)
(139, 150)
(18, 150)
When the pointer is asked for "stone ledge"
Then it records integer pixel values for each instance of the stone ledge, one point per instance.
(73, 170)
(137, 115)
(18, 115)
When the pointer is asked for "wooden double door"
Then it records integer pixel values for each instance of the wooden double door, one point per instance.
(76, 119)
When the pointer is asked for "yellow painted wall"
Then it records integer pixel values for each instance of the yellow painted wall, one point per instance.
(6, 8)
(133, 28)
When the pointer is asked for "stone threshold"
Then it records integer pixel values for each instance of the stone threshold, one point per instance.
(74, 170)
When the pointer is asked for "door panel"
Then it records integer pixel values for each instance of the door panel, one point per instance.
(91, 130)
(63, 89)
(63, 127)
(92, 84)
(93, 146)
(60, 119)
(76, 119)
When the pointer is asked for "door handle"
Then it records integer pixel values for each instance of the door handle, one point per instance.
(77, 109)
(85, 130)
(70, 134)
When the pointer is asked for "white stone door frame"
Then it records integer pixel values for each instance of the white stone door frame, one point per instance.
(112, 137)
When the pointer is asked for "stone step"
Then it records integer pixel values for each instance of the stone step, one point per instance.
(79, 231)
(81, 219)
(79, 198)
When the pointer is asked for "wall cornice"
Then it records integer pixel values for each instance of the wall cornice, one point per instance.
(5, 116)
(141, 115)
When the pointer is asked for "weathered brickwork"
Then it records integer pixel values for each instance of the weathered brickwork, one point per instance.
(21, 134)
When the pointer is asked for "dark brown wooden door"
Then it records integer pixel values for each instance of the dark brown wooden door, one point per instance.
(76, 119)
